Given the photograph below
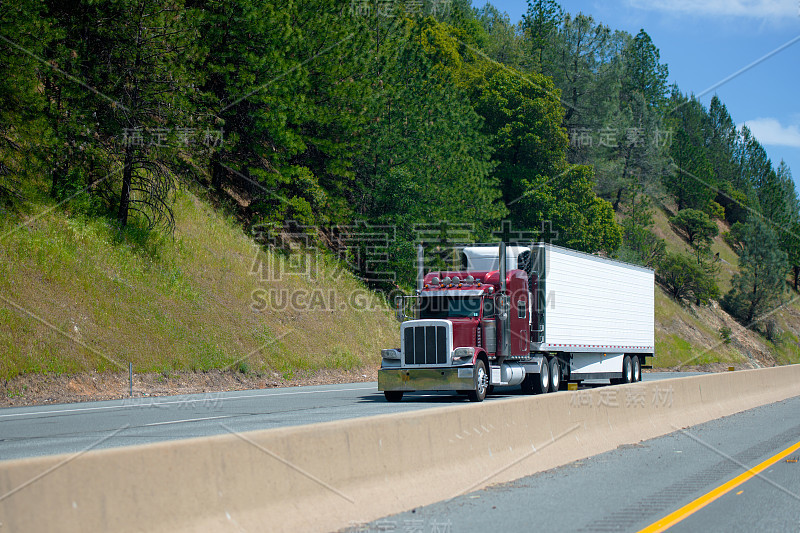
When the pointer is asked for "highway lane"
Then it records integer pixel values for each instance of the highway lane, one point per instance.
(71, 428)
(636, 486)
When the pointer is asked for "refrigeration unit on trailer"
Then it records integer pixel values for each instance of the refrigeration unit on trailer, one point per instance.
(535, 316)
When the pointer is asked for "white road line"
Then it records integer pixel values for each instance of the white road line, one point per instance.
(174, 402)
(187, 420)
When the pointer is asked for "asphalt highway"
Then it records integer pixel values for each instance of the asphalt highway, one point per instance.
(72, 428)
(738, 473)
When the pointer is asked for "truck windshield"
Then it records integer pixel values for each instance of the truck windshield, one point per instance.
(450, 307)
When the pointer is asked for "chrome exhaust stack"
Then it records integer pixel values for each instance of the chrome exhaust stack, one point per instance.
(505, 326)
(420, 267)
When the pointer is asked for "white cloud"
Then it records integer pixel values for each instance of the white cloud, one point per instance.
(759, 9)
(770, 132)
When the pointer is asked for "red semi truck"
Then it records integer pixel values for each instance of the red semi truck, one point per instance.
(533, 316)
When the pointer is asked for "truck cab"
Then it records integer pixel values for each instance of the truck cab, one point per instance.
(466, 325)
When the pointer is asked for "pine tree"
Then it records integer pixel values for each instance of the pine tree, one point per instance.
(760, 283)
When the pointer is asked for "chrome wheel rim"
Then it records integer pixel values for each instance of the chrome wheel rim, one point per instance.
(483, 381)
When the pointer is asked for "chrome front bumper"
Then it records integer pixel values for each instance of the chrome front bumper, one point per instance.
(413, 379)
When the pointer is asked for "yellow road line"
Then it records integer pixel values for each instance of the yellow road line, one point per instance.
(675, 517)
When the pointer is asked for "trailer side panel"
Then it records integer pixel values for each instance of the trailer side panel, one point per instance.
(595, 304)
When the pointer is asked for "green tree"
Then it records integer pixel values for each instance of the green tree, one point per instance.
(792, 247)
(735, 237)
(734, 202)
(522, 115)
(423, 140)
(120, 120)
(760, 283)
(501, 39)
(752, 162)
(640, 245)
(584, 65)
(685, 279)
(568, 210)
(698, 229)
(690, 181)
(644, 75)
(25, 33)
(253, 91)
(721, 137)
(539, 23)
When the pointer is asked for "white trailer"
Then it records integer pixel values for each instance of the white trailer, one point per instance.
(596, 309)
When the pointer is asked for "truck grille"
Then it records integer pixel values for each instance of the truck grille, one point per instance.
(425, 345)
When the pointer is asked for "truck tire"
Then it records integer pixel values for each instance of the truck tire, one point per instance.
(393, 395)
(542, 384)
(627, 370)
(637, 368)
(538, 383)
(481, 383)
(555, 374)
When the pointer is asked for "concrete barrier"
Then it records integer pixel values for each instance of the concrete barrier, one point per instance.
(329, 476)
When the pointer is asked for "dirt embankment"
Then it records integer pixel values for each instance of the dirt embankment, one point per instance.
(37, 389)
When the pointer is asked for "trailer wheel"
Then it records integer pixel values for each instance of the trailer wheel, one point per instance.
(393, 395)
(481, 383)
(555, 374)
(627, 370)
(637, 368)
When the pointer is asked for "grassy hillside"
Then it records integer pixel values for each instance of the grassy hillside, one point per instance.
(75, 295)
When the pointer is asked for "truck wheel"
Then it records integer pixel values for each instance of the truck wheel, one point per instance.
(555, 374)
(481, 383)
(627, 370)
(537, 383)
(393, 395)
(637, 368)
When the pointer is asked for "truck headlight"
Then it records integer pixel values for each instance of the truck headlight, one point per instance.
(390, 353)
(463, 355)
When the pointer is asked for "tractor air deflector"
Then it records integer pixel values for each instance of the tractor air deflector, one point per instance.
(414, 379)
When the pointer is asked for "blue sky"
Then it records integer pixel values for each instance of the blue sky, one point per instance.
(706, 42)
